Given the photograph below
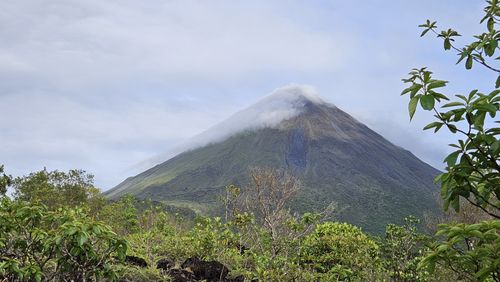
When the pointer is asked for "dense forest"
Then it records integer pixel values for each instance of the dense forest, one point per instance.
(57, 226)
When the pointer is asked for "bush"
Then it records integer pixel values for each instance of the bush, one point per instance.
(340, 251)
(37, 244)
(401, 251)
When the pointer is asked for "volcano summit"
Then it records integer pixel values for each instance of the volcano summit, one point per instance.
(338, 159)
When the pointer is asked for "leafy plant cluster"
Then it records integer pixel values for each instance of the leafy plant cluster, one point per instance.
(472, 177)
(37, 244)
(64, 243)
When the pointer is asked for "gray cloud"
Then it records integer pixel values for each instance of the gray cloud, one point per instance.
(95, 84)
(95, 41)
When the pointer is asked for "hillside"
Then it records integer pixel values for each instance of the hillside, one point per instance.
(373, 181)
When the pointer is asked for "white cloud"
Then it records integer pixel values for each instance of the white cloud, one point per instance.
(283, 103)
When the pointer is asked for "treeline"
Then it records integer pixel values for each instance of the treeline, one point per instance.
(58, 227)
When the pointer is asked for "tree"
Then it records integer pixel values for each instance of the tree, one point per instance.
(121, 215)
(267, 197)
(269, 192)
(473, 169)
(401, 251)
(57, 189)
(37, 244)
(5, 181)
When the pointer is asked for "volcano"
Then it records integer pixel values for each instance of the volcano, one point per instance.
(338, 159)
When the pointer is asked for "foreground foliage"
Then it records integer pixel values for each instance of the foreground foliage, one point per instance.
(39, 243)
(340, 251)
(472, 174)
(64, 245)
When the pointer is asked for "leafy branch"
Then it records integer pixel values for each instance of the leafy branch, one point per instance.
(485, 45)
(473, 169)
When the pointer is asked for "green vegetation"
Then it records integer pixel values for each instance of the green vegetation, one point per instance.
(258, 239)
(472, 177)
(5, 181)
(401, 251)
(37, 244)
(58, 227)
(56, 189)
(340, 251)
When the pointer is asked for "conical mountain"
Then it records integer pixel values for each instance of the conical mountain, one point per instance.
(338, 159)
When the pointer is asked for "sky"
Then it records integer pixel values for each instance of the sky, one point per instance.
(105, 85)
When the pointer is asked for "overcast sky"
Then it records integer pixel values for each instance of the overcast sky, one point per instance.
(103, 85)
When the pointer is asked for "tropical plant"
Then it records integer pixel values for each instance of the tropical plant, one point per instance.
(37, 244)
(473, 169)
(471, 251)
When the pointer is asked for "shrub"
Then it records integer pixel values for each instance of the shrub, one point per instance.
(37, 244)
(339, 251)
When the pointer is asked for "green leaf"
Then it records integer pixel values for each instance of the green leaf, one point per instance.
(472, 93)
(453, 104)
(96, 229)
(432, 125)
(438, 127)
(495, 147)
(38, 277)
(406, 90)
(436, 84)
(427, 102)
(447, 44)
(493, 94)
(413, 89)
(491, 24)
(412, 106)
(424, 32)
(452, 128)
(468, 63)
(72, 231)
(462, 97)
(497, 83)
(462, 54)
(82, 239)
(451, 159)
(487, 107)
(490, 48)
(427, 76)
(458, 115)
(439, 96)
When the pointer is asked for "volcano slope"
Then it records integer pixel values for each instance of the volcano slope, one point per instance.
(338, 159)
